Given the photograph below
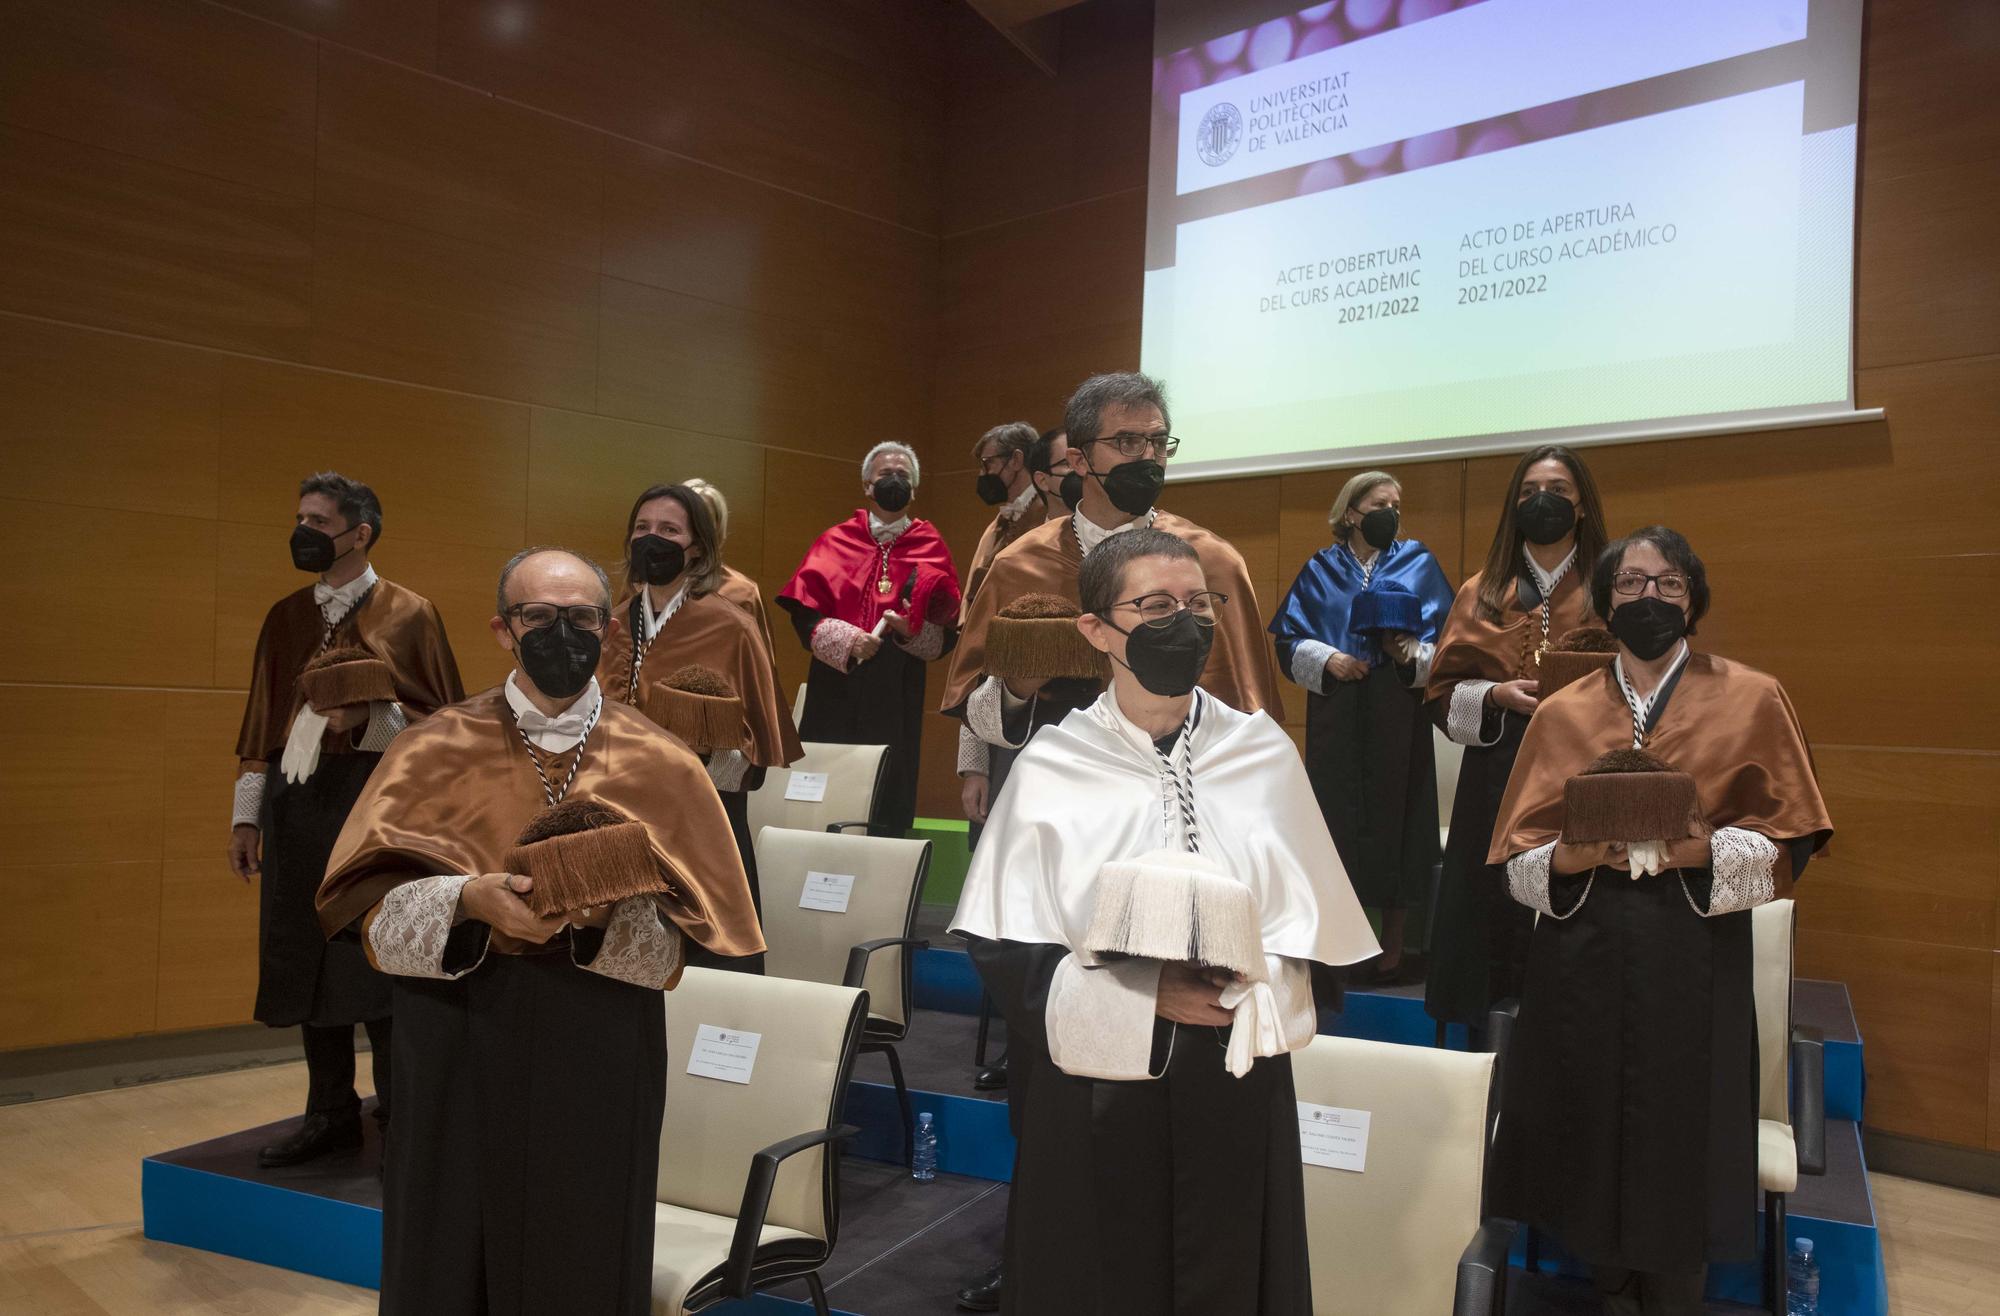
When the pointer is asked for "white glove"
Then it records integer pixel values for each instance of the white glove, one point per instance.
(302, 747)
(1258, 1030)
(1404, 645)
(1646, 858)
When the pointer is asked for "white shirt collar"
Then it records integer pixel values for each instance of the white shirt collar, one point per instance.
(887, 531)
(1012, 509)
(1642, 705)
(1089, 534)
(336, 600)
(673, 605)
(558, 734)
(1547, 580)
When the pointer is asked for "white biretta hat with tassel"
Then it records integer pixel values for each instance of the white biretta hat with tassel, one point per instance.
(1176, 905)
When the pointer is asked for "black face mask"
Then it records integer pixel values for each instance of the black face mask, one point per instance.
(1135, 486)
(892, 492)
(559, 659)
(1379, 527)
(1070, 490)
(1648, 626)
(656, 560)
(992, 489)
(313, 550)
(1168, 660)
(1545, 517)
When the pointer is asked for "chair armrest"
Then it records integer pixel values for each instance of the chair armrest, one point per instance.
(1808, 1104)
(736, 1271)
(843, 826)
(1482, 1270)
(857, 959)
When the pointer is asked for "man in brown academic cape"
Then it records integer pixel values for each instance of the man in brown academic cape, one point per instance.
(1006, 483)
(531, 1051)
(1119, 443)
(302, 769)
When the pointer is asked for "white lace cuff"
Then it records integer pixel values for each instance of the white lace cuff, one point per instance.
(985, 713)
(1100, 1020)
(974, 759)
(248, 807)
(1466, 715)
(386, 721)
(727, 768)
(1309, 664)
(1273, 1017)
(412, 927)
(926, 644)
(833, 642)
(1528, 881)
(1742, 865)
(639, 946)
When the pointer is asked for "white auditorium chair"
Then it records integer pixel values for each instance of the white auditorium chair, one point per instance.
(1791, 1084)
(869, 945)
(853, 777)
(749, 1186)
(1409, 1232)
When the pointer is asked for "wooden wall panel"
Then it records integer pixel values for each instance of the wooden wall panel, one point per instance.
(191, 86)
(96, 421)
(1076, 268)
(400, 146)
(403, 30)
(207, 968)
(392, 301)
(80, 963)
(1029, 378)
(97, 238)
(73, 580)
(80, 772)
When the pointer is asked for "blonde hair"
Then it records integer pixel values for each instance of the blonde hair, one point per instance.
(718, 506)
(1351, 493)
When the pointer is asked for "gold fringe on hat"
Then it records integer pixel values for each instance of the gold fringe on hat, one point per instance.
(341, 678)
(1579, 653)
(583, 854)
(697, 704)
(1630, 795)
(1035, 638)
(1172, 905)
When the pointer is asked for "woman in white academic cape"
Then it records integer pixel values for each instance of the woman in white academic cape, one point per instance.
(1151, 886)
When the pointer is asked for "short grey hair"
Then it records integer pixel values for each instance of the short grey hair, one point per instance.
(890, 445)
(500, 604)
(1093, 395)
(1015, 436)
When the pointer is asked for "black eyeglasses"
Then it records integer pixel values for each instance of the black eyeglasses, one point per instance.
(1631, 584)
(541, 616)
(1160, 609)
(1138, 445)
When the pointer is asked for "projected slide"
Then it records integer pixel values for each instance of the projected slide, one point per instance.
(1380, 228)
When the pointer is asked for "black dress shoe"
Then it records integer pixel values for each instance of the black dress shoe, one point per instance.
(992, 1078)
(317, 1136)
(982, 1294)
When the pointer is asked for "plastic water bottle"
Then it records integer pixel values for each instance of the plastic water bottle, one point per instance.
(923, 1166)
(1802, 1280)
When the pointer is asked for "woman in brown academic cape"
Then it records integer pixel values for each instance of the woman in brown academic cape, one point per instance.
(1482, 693)
(672, 617)
(1631, 1092)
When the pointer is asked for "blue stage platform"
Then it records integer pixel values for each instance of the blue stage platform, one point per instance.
(326, 1220)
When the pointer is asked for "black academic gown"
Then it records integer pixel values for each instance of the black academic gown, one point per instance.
(302, 978)
(1479, 937)
(1178, 1196)
(1370, 758)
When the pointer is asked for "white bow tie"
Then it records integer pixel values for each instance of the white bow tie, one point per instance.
(554, 734)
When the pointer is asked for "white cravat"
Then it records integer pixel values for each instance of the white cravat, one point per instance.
(673, 605)
(1546, 581)
(558, 734)
(886, 532)
(336, 601)
(1089, 534)
(1015, 506)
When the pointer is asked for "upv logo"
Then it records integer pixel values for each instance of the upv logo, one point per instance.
(1219, 133)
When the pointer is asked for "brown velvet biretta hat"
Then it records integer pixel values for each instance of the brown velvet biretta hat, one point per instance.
(1630, 795)
(581, 854)
(1034, 638)
(1577, 654)
(343, 677)
(697, 704)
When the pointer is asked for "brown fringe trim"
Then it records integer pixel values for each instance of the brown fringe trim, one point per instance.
(1588, 639)
(1630, 806)
(699, 679)
(579, 870)
(340, 678)
(1030, 607)
(704, 722)
(569, 816)
(1041, 648)
(1561, 667)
